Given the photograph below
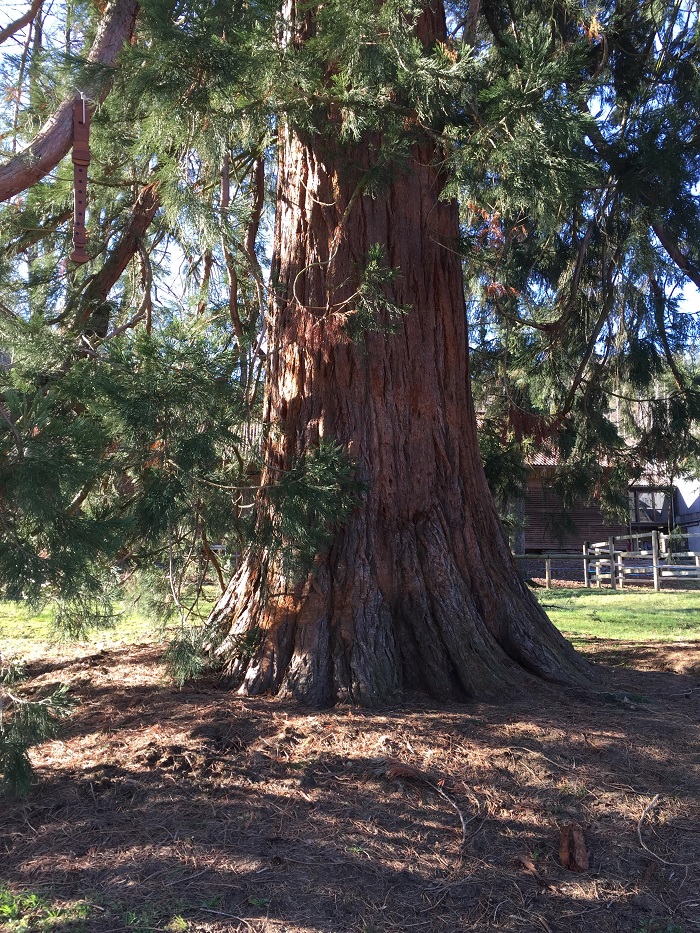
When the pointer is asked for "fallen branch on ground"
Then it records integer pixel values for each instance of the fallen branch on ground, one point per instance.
(399, 770)
(649, 807)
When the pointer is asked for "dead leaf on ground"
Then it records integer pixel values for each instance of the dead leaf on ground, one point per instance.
(529, 866)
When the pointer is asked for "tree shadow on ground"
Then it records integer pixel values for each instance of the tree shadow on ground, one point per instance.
(231, 814)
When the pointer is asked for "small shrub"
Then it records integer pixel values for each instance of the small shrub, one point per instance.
(29, 911)
(186, 657)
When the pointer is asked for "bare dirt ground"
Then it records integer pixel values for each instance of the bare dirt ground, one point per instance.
(193, 809)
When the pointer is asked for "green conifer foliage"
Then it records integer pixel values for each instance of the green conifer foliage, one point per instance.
(581, 227)
(24, 723)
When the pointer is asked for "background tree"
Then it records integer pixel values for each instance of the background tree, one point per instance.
(582, 344)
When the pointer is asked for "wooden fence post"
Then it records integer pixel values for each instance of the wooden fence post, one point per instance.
(611, 548)
(586, 576)
(655, 560)
(620, 570)
(548, 572)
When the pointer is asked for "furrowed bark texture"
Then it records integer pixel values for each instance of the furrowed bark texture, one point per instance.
(419, 591)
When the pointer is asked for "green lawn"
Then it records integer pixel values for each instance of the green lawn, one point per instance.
(22, 628)
(579, 613)
(631, 616)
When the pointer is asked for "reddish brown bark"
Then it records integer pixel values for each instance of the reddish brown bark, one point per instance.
(418, 590)
(13, 28)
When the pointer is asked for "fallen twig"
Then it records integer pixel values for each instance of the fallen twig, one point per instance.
(533, 751)
(222, 913)
(649, 807)
(398, 769)
(681, 693)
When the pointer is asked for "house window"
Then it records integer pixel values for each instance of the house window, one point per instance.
(649, 506)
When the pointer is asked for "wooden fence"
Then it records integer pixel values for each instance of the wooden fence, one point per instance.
(638, 557)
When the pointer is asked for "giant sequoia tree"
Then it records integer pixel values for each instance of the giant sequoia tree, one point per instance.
(418, 589)
(539, 161)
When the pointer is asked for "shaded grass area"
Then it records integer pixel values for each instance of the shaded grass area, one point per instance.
(24, 629)
(579, 613)
(631, 616)
(26, 910)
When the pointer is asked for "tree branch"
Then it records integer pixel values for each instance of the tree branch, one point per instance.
(54, 139)
(93, 316)
(604, 149)
(659, 301)
(15, 433)
(593, 339)
(211, 556)
(258, 187)
(680, 259)
(230, 263)
(13, 28)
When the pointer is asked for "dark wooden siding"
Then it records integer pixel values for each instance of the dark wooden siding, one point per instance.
(543, 521)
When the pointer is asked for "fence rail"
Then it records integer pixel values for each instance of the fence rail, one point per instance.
(609, 561)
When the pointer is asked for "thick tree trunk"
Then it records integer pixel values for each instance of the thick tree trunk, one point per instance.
(419, 591)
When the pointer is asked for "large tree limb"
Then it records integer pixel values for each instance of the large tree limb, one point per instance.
(93, 316)
(258, 187)
(659, 304)
(673, 250)
(12, 28)
(54, 139)
(544, 427)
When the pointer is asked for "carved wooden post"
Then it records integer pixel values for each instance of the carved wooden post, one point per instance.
(81, 160)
